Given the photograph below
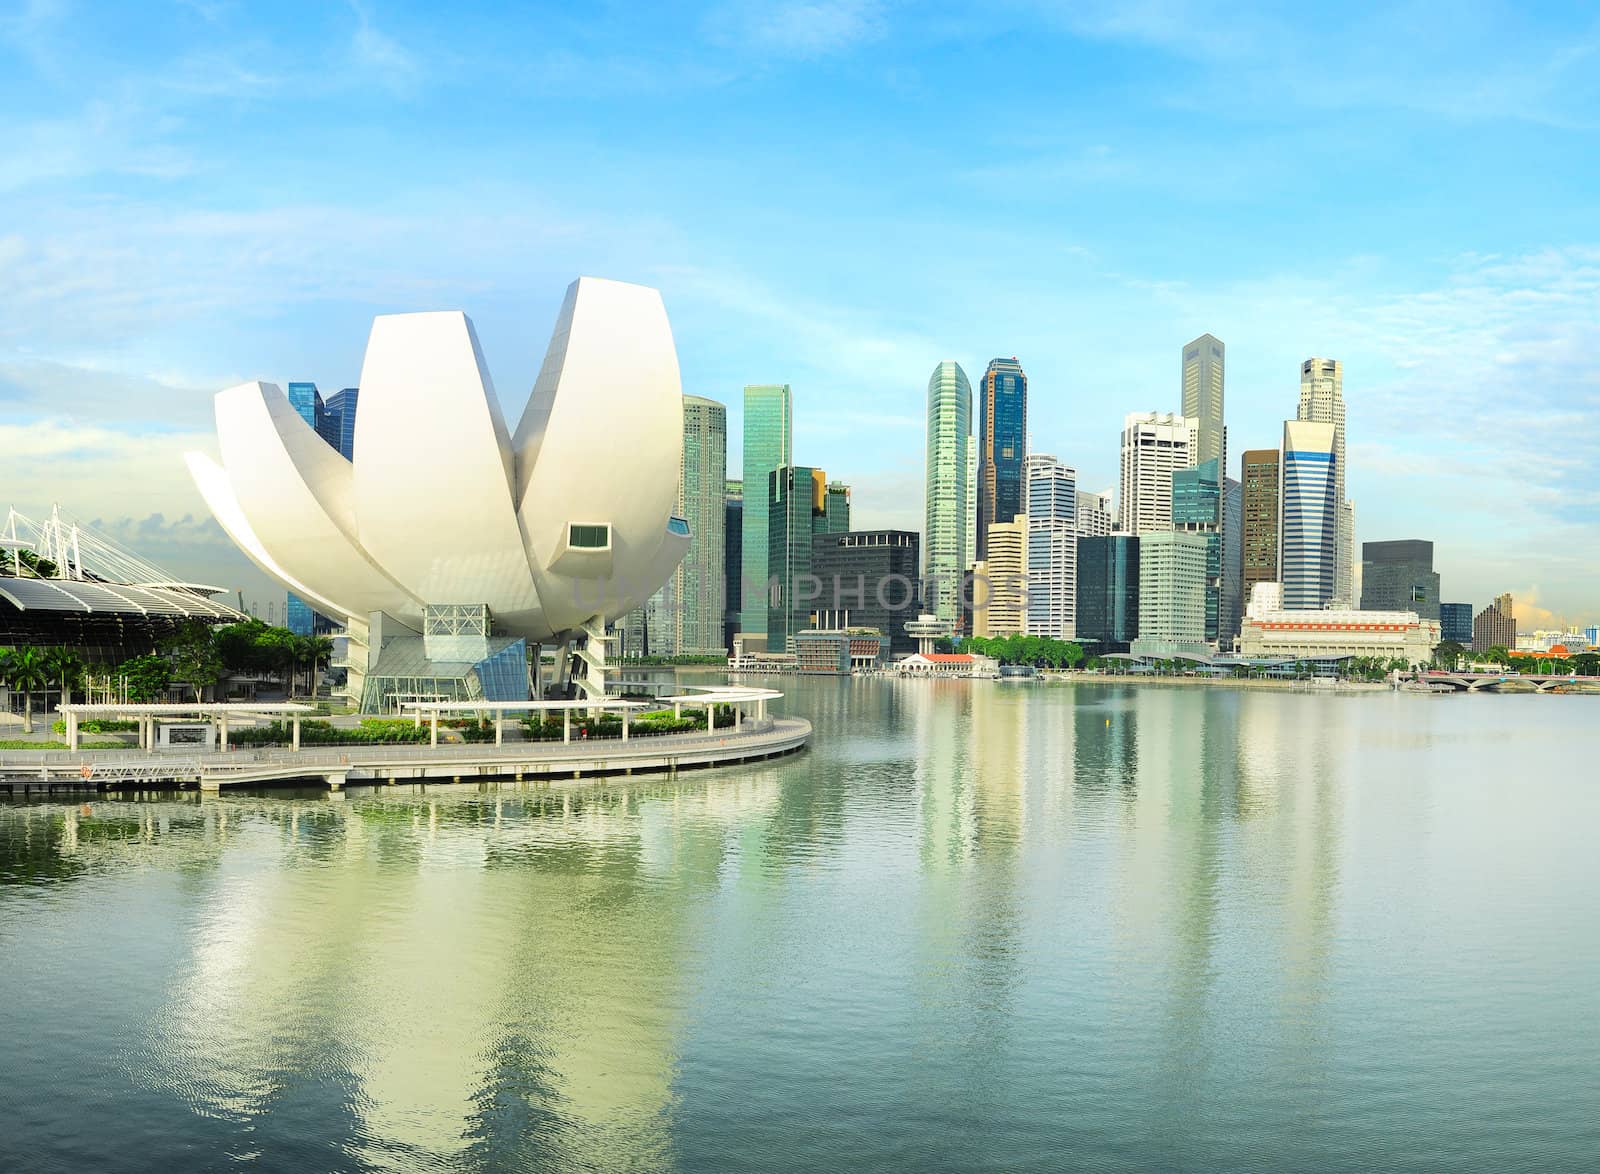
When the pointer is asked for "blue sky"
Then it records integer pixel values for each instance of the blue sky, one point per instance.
(834, 194)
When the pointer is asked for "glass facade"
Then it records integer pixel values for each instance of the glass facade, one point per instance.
(1455, 623)
(869, 580)
(1197, 509)
(732, 559)
(340, 415)
(945, 520)
(1002, 445)
(768, 445)
(1399, 576)
(1108, 590)
(1259, 539)
(1310, 516)
(1052, 517)
(306, 400)
(334, 421)
(797, 501)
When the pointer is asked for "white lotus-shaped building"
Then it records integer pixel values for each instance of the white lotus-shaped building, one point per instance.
(556, 527)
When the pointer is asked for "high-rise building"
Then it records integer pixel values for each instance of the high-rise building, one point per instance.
(699, 581)
(1399, 576)
(1309, 515)
(1197, 509)
(945, 504)
(1002, 445)
(306, 400)
(972, 502)
(340, 417)
(1094, 514)
(1322, 400)
(1108, 590)
(1154, 444)
(768, 445)
(1172, 594)
(1052, 519)
(1495, 626)
(1261, 470)
(1202, 397)
(1000, 587)
(869, 580)
(732, 559)
(298, 615)
(836, 508)
(797, 511)
(1455, 623)
(1232, 560)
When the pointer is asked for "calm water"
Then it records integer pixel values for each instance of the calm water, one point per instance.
(978, 926)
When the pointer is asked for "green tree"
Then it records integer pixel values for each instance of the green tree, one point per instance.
(147, 677)
(1497, 654)
(26, 565)
(66, 669)
(1586, 664)
(27, 669)
(196, 659)
(1449, 653)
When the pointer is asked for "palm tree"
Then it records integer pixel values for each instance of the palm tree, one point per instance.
(64, 666)
(25, 669)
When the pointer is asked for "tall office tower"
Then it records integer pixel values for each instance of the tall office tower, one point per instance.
(971, 548)
(1052, 519)
(341, 419)
(1108, 590)
(1154, 445)
(1002, 445)
(869, 580)
(698, 583)
(1202, 396)
(1172, 594)
(945, 504)
(1000, 594)
(1260, 468)
(1309, 515)
(1495, 625)
(1197, 509)
(797, 511)
(836, 508)
(1455, 623)
(732, 559)
(1232, 561)
(1094, 514)
(768, 445)
(1399, 576)
(1322, 400)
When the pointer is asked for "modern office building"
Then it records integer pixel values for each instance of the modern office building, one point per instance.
(1154, 445)
(1002, 445)
(1260, 470)
(768, 445)
(836, 508)
(1495, 626)
(1399, 576)
(868, 580)
(1197, 509)
(700, 581)
(448, 536)
(1322, 401)
(1052, 518)
(972, 503)
(1270, 630)
(797, 511)
(1094, 514)
(1232, 560)
(732, 559)
(1203, 361)
(945, 505)
(1309, 514)
(1108, 591)
(340, 415)
(1455, 623)
(328, 422)
(1000, 581)
(307, 403)
(1172, 595)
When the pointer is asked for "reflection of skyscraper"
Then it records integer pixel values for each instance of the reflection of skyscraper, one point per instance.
(1002, 445)
(945, 505)
(768, 445)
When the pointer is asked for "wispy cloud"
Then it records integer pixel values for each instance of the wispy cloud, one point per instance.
(797, 28)
(380, 55)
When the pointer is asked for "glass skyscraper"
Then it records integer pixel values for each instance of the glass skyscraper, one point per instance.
(1455, 623)
(1399, 576)
(340, 419)
(768, 445)
(945, 493)
(1203, 361)
(1259, 547)
(1052, 518)
(1197, 509)
(1108, 591)
(798, 501)
(732, 558)
(1308, 530)
(306, 400)
(1002, 445)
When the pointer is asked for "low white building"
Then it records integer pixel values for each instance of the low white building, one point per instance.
(1269, 630)
(948, 664)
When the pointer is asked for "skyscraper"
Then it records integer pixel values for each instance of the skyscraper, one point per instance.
(798, 502)
(835, 509)
(1052, 520)
(868, 581)
(1094, 514)
(945, 505)
(1309, 516)
(1322, 400)
(971, 548)
(1260, 468)
(1202, 397)
(306, 400)
(768, 445)
(732, 559)
(340, 416)
(298, 615)
(1108, 590)
(1399, 576)
(1455, 623)
(1154, 444)
(1000, 594)
(1002, 445)
(1197, 509)
(1495, 625)
(698, 583)
(1172, 594)
(1232, 561)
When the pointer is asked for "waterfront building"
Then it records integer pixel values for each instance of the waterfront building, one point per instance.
(1094, 514)
(1308, 519)
(1270, 630)
(1455, 623)
(946, 508)
(732, 558)
(1052, 518)
(1108, 590)
(927, 630)
(948, 664)
(999, 590)
(768, 445)
(868, 579)
(339, 413)
(1197, 509)
(1154, 446)
(1495, 625)
(1399, 576)
(1260, 470)
(1002, 445)
(822, 652)
(1322, 401)
(1203, 361)
(1172, 594)
(799, 499)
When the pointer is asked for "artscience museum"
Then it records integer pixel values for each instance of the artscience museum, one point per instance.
(450, 543)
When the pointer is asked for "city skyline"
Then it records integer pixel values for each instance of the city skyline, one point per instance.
(147, 152)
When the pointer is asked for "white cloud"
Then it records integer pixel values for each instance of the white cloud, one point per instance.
(797, 28)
